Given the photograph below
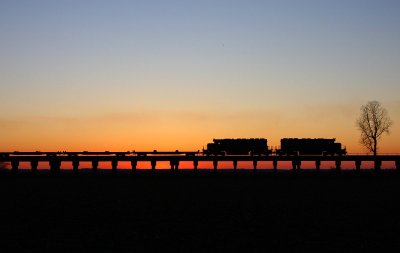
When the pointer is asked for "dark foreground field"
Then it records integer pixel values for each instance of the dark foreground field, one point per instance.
(183, 213)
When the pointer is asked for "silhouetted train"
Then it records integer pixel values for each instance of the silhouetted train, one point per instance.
(253, 146)
(258, 146)
(289, 146)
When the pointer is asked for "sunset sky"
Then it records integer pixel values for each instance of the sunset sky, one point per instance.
(142, 75)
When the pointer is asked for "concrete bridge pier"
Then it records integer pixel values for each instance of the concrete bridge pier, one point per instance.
(34, 166)
(195, 165)
(338, 164)
(55, 165)
(215, 165)
(377, 164)
(254, 165)
(275, 165)
(296, 164)
(75, 166)
(358, 165)
(174, 165)
(153, 165)
(317, 165)
(14, 166)
(114, 166)
(133, 165)
(235, 163)
(95, 165)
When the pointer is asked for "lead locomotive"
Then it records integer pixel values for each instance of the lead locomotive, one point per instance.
(308, 146)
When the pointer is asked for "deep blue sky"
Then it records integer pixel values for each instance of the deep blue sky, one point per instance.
(226, 63)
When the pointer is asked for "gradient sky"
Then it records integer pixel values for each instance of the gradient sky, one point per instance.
(166, 75)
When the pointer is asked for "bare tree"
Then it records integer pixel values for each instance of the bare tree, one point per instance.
(373, 122)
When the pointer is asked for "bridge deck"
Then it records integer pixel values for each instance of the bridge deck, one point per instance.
(174, 158)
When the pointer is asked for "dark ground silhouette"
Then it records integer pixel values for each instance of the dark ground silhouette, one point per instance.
(334, 213)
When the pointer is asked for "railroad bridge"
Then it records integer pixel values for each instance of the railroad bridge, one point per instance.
(54, 159)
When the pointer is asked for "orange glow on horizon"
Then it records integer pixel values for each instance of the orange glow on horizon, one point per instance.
(183, 131)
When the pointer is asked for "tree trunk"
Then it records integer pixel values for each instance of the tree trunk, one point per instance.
(376, 166)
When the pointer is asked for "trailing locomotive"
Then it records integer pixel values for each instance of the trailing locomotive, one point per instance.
(254, 146)
(308, 146)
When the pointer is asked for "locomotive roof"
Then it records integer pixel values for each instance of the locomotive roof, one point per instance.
(319, 139)
(238, 139)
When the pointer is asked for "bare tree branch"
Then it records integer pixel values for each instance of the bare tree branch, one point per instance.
(373, 122)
